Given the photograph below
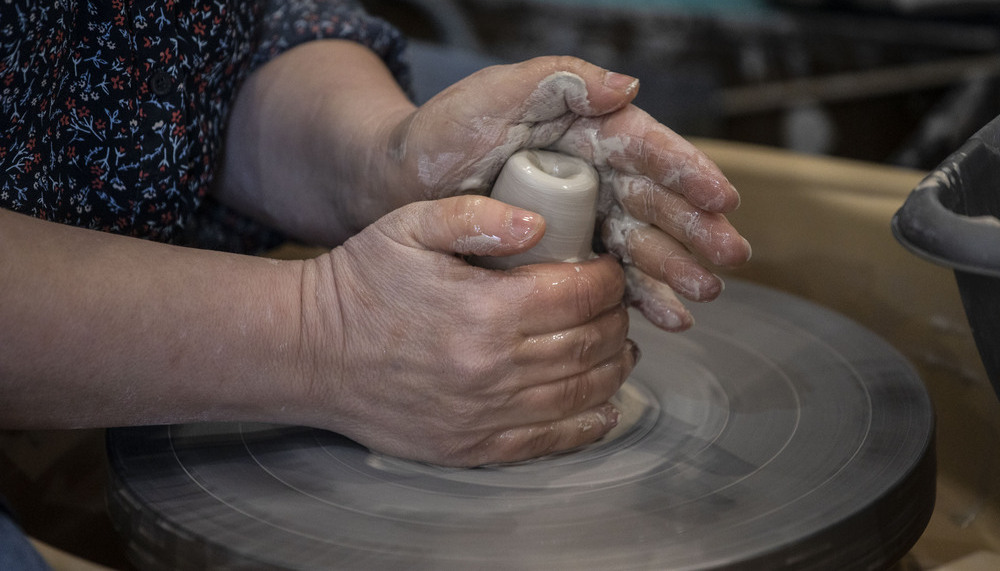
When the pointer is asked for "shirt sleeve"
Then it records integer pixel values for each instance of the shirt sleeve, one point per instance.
(282, 26)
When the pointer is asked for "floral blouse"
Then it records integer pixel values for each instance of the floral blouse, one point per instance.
(113, 112)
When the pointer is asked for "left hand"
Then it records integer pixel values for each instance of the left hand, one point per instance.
(662, 201)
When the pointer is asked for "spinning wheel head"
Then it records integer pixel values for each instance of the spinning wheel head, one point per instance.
(776, 434)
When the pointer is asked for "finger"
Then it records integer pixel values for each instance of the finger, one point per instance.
(659, 256)
(570, 352)
(526, 442)
(573, 394)
(632, 142)
(552, 86)
(657, 302)
(469, 225)
(709, 234)
(529, 104)
(566, 295)
(665, 259)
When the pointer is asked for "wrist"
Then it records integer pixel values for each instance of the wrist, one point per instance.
(314, 371)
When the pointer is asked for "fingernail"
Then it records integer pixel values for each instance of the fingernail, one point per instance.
(523, 224)
(636, 352)
(670, 319)
(613, 416)
(620, 82)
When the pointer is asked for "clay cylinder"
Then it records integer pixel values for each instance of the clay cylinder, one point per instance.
(563, 189)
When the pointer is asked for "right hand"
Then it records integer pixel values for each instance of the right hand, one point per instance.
(421, 355)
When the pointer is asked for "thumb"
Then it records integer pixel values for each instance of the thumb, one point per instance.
(469, 225)
(548, 87)
(560, 84)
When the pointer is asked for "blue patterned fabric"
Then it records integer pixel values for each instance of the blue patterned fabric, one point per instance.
(16, 552)
(113, 112)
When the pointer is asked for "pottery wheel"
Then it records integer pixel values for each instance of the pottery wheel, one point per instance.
(775, 434)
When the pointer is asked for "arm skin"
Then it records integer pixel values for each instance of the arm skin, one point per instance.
(104, 330)
(307, 142)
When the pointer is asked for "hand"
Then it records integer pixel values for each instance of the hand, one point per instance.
(433, 359)
(343, 146)
(663, 202)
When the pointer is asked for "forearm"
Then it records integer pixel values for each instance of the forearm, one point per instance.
(101, 330)
(306, 147)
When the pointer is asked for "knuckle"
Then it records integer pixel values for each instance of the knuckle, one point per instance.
(587, 389)
(598, 287)
(491, 312)
(540, 440)
(615, 375)
(466, 447)
(470, 370)
(588, 346)
(612, 281)
(621, 319)
(623, 366)
(506, 446)
(585, 294)
(639, 196)
(570, 397)
(579, 394)
(519, 444)
(603, 381)
(460, 211)
(567, 63)
(557, 63)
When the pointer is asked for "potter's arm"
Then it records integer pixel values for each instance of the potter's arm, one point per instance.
(306, 149)
(100, 330)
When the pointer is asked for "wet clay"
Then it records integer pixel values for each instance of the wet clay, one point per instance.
(563, 190)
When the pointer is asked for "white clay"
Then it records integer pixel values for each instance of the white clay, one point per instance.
(563, 189)
(556, 102)
(555, 95)
(618, 227)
